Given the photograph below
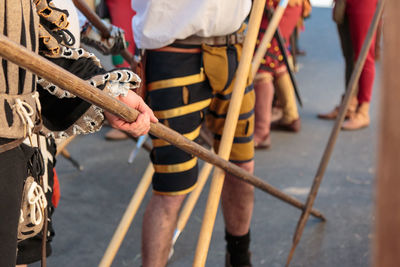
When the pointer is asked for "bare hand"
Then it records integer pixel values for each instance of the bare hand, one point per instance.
(142, 124)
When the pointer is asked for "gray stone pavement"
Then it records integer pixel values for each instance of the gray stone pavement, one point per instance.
(93, 201)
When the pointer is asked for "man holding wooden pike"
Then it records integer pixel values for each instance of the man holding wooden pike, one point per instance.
(192, 53)
(27, 102)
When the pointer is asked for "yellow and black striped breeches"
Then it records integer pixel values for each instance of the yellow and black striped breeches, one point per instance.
(184, 89)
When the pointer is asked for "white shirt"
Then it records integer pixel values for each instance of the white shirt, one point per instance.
(158, 23)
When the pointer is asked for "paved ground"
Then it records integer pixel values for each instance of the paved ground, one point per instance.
(94, 200)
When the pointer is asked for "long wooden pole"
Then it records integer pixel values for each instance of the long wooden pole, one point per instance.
(62, 149)
(241, 78)
(268, 35)
(19, 55)
(351, 88)
(91, 4)
(127, 218)
(100, 25)
(194, 195)
(64, 144)
(387, 208)
(191, 201)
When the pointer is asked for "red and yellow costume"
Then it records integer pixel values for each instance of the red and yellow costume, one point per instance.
(273, 72)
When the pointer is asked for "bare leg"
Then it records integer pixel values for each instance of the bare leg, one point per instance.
(264, 90)
(159, 223)
(22, 265)
(238, 202)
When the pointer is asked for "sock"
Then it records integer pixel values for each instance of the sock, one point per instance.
(238, 248)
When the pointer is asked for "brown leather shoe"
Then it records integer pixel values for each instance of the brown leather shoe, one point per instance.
(330, 115)
(116, 135)
(335, 112)
(359, 120)
(294, 126)
(264, 144)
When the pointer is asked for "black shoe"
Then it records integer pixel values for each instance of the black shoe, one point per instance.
(244, 260)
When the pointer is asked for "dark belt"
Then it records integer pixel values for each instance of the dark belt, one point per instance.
(230, 39)
(13, 144)
(10, 145)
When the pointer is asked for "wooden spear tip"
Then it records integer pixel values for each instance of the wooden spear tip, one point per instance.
(290, 256)
(321, 217)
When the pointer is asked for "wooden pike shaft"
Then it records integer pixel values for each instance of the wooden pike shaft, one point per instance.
(387, 235)
(64, 144)
(127, 218)
(91, 4)
(191, 201)
(268, 35)
(241, 78)
(99, 24)
(351, 88)
(19, 55)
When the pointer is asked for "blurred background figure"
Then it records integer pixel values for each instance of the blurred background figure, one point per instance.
(273, 76)
(353, 19)
(120, 13)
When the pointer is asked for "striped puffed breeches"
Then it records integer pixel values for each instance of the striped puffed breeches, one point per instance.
(187, 85)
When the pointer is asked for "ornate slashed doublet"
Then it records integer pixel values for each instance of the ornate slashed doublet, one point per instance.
(19, 22)
(24, 98)
(45, 32)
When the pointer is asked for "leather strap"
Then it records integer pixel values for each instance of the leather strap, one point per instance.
(230, 39)
(11, 145)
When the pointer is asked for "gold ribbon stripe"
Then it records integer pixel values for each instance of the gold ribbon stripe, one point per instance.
(183, 110)
(176, 82)
(179, 167)
(182, 192)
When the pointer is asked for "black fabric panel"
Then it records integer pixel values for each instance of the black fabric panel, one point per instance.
(84, 68)
(9, 114)
(167, 65)
(21, 80)
(168, 98)
(5, 140)
(23, 32)
(59, 114)
(32, 32)
(29, 250)
(4, 62)
(173, 182)
(169, 155)
(231, 54)
(21, 71)
(33, 83)
(185, 46)
(187, 123)
(191, 122)
(13, 171)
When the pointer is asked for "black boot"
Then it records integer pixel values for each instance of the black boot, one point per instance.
(238, 254)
